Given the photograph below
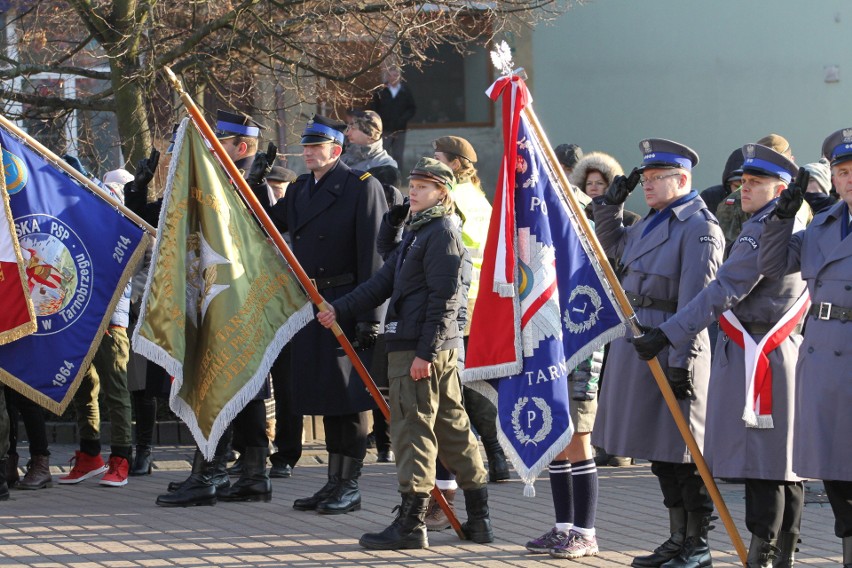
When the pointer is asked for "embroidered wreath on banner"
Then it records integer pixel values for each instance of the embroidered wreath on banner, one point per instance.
(546, 417)
(593, 317)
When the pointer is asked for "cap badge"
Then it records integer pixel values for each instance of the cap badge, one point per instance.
(847, 134)
(646, 146)
(749, 151)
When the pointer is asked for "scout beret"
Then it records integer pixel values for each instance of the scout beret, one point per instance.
(433, 170)
(456, 146)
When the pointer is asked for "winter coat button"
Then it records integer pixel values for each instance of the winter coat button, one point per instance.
(321, 270)
(838, 353)
(810, 349)
(321, 237)
(847, 287)
(819, 283)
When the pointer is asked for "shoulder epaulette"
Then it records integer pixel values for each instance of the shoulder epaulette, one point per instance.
(365, 175)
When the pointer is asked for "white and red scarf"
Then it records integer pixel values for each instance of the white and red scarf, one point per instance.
(758, 371)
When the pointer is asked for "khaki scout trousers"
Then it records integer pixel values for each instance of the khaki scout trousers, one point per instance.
(108, 371)
(428, 421)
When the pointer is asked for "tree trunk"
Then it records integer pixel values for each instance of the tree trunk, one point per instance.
(131, 112)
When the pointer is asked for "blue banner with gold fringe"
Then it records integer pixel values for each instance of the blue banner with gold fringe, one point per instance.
(78, 251)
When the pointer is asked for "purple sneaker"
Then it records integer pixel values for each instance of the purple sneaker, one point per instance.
(545, 542)
(575, 545)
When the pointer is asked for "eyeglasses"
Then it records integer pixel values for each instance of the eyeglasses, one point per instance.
(644, 181)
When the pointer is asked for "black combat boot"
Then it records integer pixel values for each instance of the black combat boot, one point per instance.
(143, 461)
(218, 475)
(198, 489)
(670, 548)
(478, 525)
(498, 467)
(345, 496)
(253, 484)
(847, 552)
(335, 464)
(787, 550)
(761, 553)
(695, 552)
(406, 531)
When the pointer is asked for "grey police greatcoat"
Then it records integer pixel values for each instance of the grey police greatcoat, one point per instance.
(821, 447)
(730, 448)
(333, 229)
(673, 262)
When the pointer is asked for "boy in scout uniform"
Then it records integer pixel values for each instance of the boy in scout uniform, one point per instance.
(823, 254)
(668, 258)
(750, 406)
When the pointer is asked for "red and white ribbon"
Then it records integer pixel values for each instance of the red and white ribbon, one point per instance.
(758, 371)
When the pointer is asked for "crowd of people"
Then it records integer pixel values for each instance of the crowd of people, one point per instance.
(742, 291)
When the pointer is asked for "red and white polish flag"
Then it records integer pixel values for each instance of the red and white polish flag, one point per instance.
(17, 317)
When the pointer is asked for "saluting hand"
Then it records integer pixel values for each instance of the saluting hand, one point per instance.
(145, 171)
(791, 198)
(262, 165)
(621, 187)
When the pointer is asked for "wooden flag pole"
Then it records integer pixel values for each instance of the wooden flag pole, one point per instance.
(259, 212)
(654, 364)
(90, 185)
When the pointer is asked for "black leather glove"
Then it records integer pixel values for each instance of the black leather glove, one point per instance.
(791, 198)
(398, 213)
(621, 187)
(145, 172)
(681, 382)
(650, 343)
(366, 333)
(262, 165)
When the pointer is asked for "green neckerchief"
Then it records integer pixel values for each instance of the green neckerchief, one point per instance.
(422, 217)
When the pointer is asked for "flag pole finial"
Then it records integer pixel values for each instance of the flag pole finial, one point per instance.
(501, 58)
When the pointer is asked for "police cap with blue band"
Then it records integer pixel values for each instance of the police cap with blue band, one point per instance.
(666, 154)
(762, 161)
(322, 130)
(230, 124)
(838, 146)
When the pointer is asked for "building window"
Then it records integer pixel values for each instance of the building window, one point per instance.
(450, 89)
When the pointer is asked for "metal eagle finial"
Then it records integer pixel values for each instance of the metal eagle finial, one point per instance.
(501, 57)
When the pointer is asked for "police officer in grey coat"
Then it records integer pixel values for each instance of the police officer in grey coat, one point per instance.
(333, 214)
(823, 254)
(668, 258)
(750, 408)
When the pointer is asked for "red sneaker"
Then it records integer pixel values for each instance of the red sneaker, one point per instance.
(117, 474)
(85, 466)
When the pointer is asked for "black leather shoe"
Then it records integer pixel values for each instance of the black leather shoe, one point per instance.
(198, 489)
(281, 471)
(253, 484)
(143, 462)
(335, 463)
(345, 497)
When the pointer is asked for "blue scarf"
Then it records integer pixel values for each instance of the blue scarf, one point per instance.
(664, 215)
(844, 225)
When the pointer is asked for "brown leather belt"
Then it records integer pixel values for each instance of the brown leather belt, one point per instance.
(759, 328)
(332, 281)
(828, 311)
(639, 301)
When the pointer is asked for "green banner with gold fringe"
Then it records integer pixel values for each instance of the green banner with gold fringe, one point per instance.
(220, 301)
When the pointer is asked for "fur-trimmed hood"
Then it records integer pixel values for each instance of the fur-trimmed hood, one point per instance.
(604, 163)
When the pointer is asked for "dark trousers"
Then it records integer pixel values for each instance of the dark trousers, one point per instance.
(346, 434)
(145, 407)
(682, 486)
(379, 372)
(773, 507)
(249, 426)
(20, 407)
(840, 496)
(288, 426)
